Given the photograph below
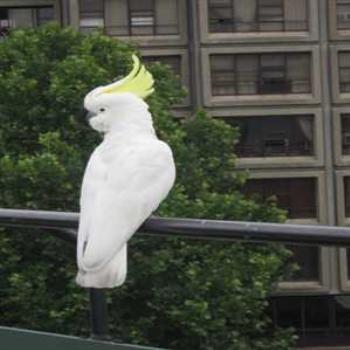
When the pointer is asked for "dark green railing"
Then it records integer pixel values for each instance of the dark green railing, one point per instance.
(64, 226)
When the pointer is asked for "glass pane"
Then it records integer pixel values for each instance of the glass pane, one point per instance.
(317, 313)
(265, 74)
(24, 17)
(223, 75)
(271, 15)
(345, 131)
(289, 312)
(167, 21)
(90, 6)
(343, 14)
(221, 16)
(299, 72)
(142, 19)
(296, 15)
(344, 71)
(348, 262)
(286, 136)
(347, 195)
(342, 311)
(296, 195)
(247, 74)
(91, 14)
(257, 15)
(44, 15)
(21, 17)
(307, 259)
(174, 62)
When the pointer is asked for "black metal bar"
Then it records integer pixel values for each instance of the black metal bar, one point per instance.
(98, 314)
(191, 228)
(65, 224)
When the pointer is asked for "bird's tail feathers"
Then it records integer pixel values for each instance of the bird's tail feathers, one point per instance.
(111, 275)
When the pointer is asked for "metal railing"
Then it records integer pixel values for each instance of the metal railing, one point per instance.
(64, 225)
(134, 30)
(230, 25)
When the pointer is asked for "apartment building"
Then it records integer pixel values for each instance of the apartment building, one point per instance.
(280, 70)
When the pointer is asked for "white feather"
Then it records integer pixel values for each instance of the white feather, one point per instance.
(126, 178)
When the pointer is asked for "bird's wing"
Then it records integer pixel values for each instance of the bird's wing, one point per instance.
(134, 187)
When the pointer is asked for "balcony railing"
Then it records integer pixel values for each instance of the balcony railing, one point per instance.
(259, 87)
(282, 149)
(144, 30)
(64, 226)
(227, 25)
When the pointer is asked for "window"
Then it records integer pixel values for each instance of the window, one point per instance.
(307, 259)
(14, 17)
(344, 71)
(270, 15)
(287, 136)
(153, 17)
(257, 15)
(264, 74)
(318, 320)
(296, 195)
(173, 61)
(5, 23)
(44, 15)
(345, 132)
(221, 16)
(347, 196)
(142, 17)
(343, 14)
(91, 14)
(273, 75)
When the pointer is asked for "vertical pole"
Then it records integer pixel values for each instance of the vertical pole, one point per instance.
(98, 314)
(194, 54)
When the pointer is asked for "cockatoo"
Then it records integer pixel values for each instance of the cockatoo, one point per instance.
(126, 178)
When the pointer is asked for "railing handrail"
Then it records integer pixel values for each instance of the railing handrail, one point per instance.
(67, 223)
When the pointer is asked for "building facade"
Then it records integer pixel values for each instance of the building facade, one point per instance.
(278, 69)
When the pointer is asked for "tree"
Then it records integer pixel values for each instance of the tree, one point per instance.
(179, 294)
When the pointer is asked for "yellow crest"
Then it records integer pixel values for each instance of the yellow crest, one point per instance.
(138, 82)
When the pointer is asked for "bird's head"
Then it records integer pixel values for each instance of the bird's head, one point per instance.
(121, 101)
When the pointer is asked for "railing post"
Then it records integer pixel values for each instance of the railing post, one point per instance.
(98, 314)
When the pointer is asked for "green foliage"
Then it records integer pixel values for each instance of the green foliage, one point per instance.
(179, 294)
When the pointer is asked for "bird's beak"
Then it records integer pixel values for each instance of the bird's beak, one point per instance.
(90, 115)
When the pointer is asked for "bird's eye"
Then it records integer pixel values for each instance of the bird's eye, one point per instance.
(102, 109)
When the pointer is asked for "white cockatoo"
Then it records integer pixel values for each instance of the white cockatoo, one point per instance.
(126, 178)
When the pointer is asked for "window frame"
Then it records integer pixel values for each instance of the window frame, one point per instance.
(286, 162)
(334, 32)
(146, 40)
(314, 97)
(337, 95)
(323, 285)
(342, 220)
(34, 11)
(311, 34)
(262, 80)
(340, 158)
